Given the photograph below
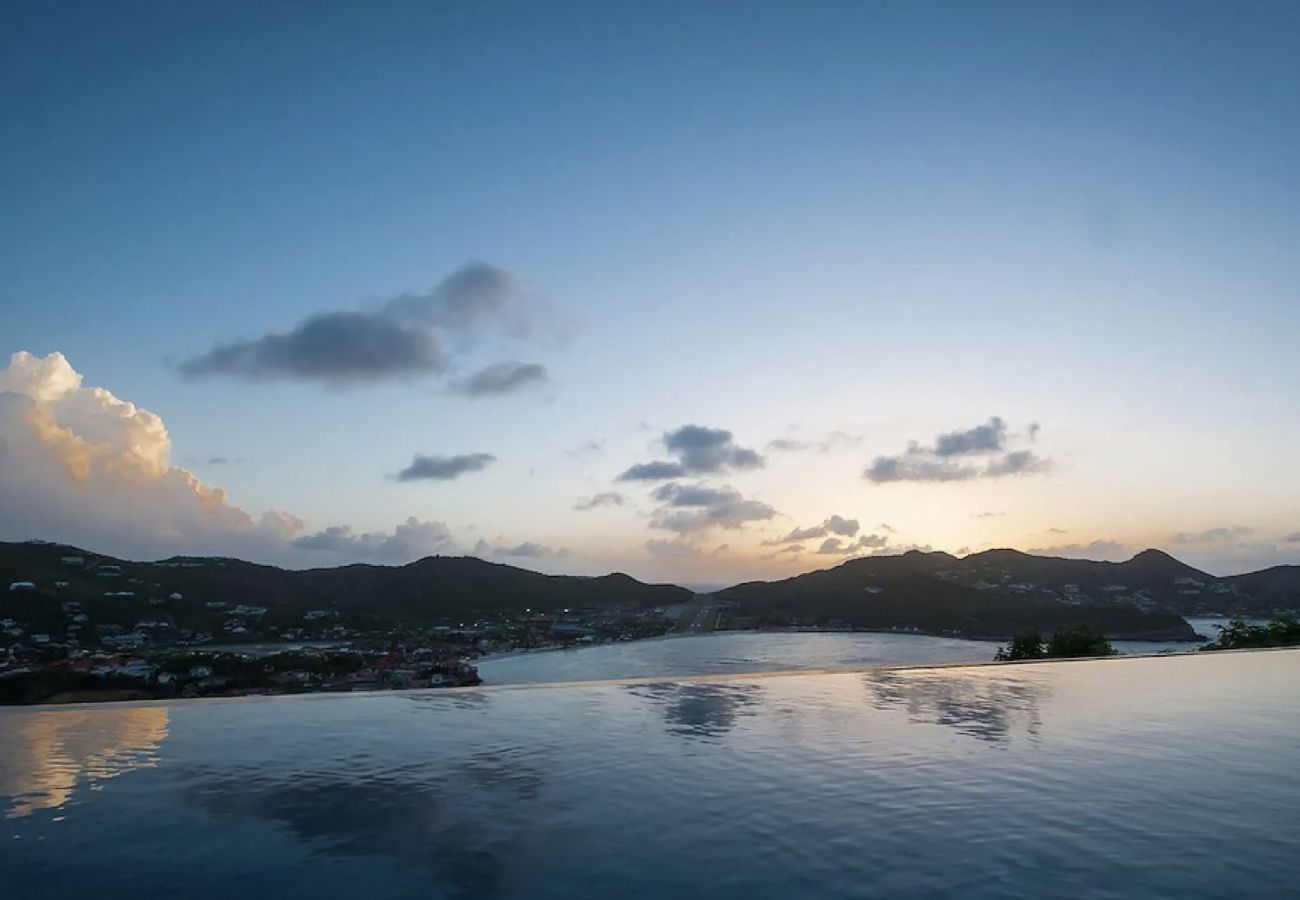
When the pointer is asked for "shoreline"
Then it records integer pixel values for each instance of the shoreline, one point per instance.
(638, 680)
(1200, 639)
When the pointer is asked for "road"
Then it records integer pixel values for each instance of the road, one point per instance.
(700, 615)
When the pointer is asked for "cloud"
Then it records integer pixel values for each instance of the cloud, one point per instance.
(653, 471)
(1108, 550)
(987, 515)
(595, 501)
(987, 438)
(688, 495)
(409, 336)
(842, 526)
(1058, 531)
(1293, 538)
(691, 508)
(1019, 462)
(833, 525)
(699, 451)
(1212, 535)
(82, 466)
(528, 550)
(409, 541)
(963, 455)
(836, 547)
(444, 468)
(283, 525)
(833, 440)
(337, 347)
(502, 378)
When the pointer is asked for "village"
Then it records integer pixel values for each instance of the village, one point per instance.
(135, 639)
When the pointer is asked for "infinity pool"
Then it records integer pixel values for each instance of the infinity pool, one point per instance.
(1117, 778)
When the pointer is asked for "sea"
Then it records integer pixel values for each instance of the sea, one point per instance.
(730, 653)
(1133, 777)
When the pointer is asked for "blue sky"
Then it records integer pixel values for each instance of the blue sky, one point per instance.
(889, 220)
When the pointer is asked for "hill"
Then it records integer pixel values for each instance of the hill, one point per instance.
(197, 593)
(999, 592)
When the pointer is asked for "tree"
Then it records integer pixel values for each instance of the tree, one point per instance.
(1281, 632)
(1023, 646)
(1078, 640)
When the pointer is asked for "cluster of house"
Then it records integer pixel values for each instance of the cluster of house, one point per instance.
(535, 629)
(191, 674)
(1074, 595)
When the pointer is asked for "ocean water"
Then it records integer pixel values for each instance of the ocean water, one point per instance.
(731, 653)
(1126, 778)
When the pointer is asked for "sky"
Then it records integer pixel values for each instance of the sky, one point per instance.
(699, 292)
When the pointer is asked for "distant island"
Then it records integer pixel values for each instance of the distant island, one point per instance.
(77, 625)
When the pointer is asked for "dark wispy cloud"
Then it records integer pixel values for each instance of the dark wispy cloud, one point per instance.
(691, 508)
(832, 440)
(444, 468)
(502, 378)
(1212, 535)
(1293, 538)
(653, 471)
(835, 525)
(834, 546)
(410, 541)
(987, 438)
(1018, 462)
(524, 550)
(1108, 550)
(527, 550)
(595, 501)
(699, 451)
(963, 455)
(409, 336)
(987, 515)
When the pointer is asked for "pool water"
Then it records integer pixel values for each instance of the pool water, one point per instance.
(1143, 778)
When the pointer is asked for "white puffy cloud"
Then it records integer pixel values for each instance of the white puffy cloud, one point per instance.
(82, 466)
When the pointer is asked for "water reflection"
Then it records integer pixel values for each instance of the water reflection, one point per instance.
(442, 698)
(49, 753)
(702, 710)
(979, 706)
(473, 822)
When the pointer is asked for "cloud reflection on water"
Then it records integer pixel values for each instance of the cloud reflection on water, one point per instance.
(471, 822)
(54, 751)
(978, 705)
(702, 710)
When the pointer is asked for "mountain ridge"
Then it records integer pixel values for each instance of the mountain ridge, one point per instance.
(991, 593)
